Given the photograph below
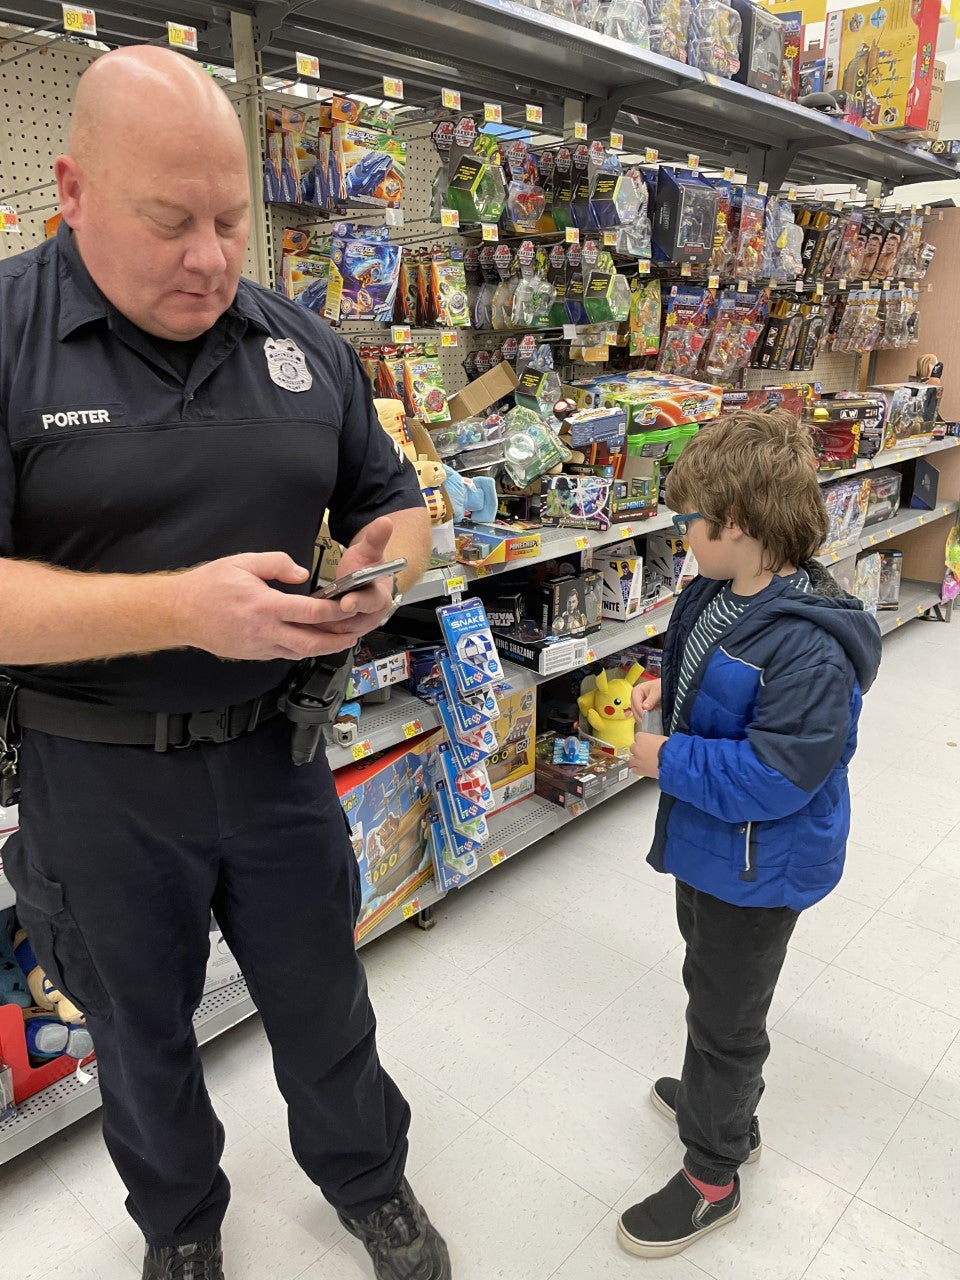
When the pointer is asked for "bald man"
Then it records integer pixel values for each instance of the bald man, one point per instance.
(170, 436)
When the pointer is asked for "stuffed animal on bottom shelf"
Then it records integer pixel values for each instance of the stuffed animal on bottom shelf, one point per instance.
(607, 707)
(45, 995)
(473, 497)
(48, 1038)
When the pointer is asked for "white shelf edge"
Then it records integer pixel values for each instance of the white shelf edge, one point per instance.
(903, 522)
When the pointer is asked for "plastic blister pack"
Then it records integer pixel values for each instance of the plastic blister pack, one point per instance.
(713, 44)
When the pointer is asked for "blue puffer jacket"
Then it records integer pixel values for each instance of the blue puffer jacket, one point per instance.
(755, 807)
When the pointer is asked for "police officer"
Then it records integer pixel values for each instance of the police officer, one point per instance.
(170, 436)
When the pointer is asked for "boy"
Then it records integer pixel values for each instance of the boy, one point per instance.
(764, 664)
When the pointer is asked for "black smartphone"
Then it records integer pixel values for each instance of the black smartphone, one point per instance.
(360, 578)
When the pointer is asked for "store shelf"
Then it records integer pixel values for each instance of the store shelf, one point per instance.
(404, 716)
(916, 599)
(902, 523)
(888, 459)
(60, 1105)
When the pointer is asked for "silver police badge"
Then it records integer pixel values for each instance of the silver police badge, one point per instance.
(287, 364)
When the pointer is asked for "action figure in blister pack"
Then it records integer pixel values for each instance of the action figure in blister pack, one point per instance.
(669, 20)
(713, 44)
(624, 20)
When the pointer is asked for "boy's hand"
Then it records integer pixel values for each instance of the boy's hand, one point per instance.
(645, 754)
(645, 697)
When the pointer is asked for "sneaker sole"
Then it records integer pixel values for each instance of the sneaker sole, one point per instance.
(670, 1114)
(642, 1250)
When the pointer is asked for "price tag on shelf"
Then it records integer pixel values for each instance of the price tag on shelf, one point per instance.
(627, 530)
(693, 160)
(449, 338)
(411, 909)
(686, 270)
(729, 173)
(360, 750)
(763, 188)
(493, 113)
(308, 65)
(393, 88)
(450, 99)
(651, 629)
(792, 194)
(572, 235)
(643, 267)
(591, 655)
(449, 218)
(490, 231)
(497, 857)
(741, 286)
(580, 131)
(818, 289)
(921, 519)
(616, 140)
(534, 113)
(838, 206)
(80, 22)
(577, 808)
(876, 203)
(610, 337)
(412, 728)
(873, 539)
(886, 284)
(713, 282)
(610, 237)
(181, 37)
(482, 570)
(459, 583)
(401, 333)
(898, 208)
(651, 155)
(582, 543)
(10, 220)
(842, 284)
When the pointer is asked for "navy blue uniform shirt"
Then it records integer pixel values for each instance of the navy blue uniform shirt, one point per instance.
(112, 461)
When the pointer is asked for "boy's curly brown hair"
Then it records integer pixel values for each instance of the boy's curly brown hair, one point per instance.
(758, 471)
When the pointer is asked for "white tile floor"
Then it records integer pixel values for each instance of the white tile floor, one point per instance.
(525, 1030)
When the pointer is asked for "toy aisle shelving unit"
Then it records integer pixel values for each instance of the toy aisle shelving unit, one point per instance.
(488, 50)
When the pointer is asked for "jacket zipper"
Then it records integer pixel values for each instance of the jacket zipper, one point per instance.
(749, 870)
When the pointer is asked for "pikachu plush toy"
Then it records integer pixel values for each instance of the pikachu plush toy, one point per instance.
(607, 707)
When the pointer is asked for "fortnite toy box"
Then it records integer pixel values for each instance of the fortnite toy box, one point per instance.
(882, 57)
(385, 800)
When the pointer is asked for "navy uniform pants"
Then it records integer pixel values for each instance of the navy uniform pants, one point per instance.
(121, 856)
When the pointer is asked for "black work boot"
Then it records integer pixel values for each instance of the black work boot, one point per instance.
(202, 1261)
(401, 1240)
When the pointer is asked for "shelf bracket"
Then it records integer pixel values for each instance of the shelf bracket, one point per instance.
(601, 113)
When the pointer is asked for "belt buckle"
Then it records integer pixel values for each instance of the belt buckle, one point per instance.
(208, 726)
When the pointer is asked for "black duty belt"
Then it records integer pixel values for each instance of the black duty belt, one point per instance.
(91, 722)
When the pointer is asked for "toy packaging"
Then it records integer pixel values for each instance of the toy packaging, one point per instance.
(713, 44)
(364, 271)
(368, 166)
(684, 217)
(835, 429)
(891, 571)
(761, 51)
(424, 392)
(622, 585)
(566, 782)
(911, 411)
(470, 645)
(867, 581)
(846, 502)
(649, 399)
(385, 799)
(497, 544)
(794, 31)
(882, 57)
(511, 768)
(636, 490)
(380, 662)
(571, 605)
(669, 564)
(884, 502)
(575, 502)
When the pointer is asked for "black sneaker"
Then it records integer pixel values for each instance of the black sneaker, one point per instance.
(203, 1261)
(666, 1223)
(401, 1240)
(663, 1095)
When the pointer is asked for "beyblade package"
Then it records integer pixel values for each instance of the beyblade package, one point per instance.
(448, 290)
(368, 166)
(364, 272)
(424, 390)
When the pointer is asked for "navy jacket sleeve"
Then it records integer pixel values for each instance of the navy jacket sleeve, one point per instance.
(799, 730)
(373, 479)
(8, 490)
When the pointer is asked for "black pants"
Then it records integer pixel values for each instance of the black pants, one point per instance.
(734, 957)
(121, 856)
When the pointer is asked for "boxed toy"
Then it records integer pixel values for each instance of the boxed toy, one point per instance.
(921, 485)
(511, 767)
(380, 662)
(495, 544)
(566, 784)
(884, 501)
(867, 582)
(385, 799)
(368, 166)
(364, 271)
(761, 48)
(835, 430)
(789, 398)
(622, 584)
(846, 502)
(649, 399)
(575, 502)
(882, 57)
(911, 411)
(636, 490)
(684, 217)
(571, 605)
(669, 563)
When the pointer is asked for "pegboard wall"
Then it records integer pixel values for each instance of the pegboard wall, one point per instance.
(38, 81)
(834, 370)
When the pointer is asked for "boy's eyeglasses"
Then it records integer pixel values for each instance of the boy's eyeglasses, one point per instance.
(682, 523)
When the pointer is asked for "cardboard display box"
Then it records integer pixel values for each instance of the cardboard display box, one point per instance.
(565, 784)
(385, 800)
(498, 383)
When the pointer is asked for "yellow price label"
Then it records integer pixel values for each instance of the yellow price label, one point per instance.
(572, 235)
(456, 584)
(643, 267)
(651, 629)
(627, 530)
(497, 857)
(360, 750)
(493, 113)
(693, 160)
(9, 219)
(792, 194)
(580, 131)
(873, 539)
(578, 807)
(393, 88)
(610, 237)
(450, 99)
(412, 728)
(449, 218)
(651, 155)
(842, 284)
(686, 270)
(713, 282)
(411, 908)
(401, 333)
(449, 338)
(582, 543)
(482, 570)
(741, 286)
(534, 113)
(181, 37)
(762, 188)
(82, 22)
(921, 519)
(490, 231)
(591, 655)
(728, 173)
(616, 140)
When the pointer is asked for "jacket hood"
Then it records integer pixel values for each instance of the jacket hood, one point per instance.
(841, 616)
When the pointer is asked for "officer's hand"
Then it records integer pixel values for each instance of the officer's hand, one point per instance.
(370, 605)
(227, 608)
